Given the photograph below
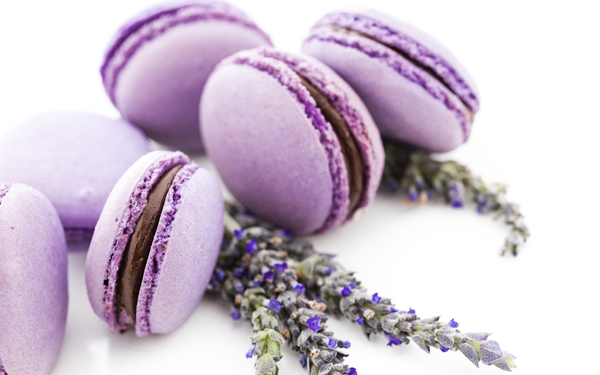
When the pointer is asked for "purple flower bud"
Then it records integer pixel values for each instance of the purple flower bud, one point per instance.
(346, 292)
(251, 246)
(393, 185)
(392, 340)
(352, 371)
(299, 288)
(346, 344)
(419, 183)
(443, 348)
(360, 321)
(275, 305)
(452, 323)
(457, 203)
(393, 310)
(376, 298)
(238, 233)
(411, 311)
(250, 352)
(238, 273)
(303, 361)
(314, 323)
(328, 271)
(268, 276)
(235, 315)
(256, 284)
(220, 274)
(281, 267)
(287, 233)
(239, 288)
(413, 195)
(332, 343)
(214, 282)
(352, 285)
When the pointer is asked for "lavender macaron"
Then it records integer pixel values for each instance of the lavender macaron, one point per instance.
(74, 159)
(33, 281)
(157, 64)
(290, 139)
(416, 90)
(155, 245)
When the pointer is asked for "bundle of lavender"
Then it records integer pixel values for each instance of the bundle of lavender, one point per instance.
(283, 287)
(422, 178)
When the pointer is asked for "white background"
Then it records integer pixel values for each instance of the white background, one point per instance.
(536, 65)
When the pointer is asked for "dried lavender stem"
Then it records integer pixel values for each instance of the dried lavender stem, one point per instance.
(260, 283)
(417, 174)
(322, 279)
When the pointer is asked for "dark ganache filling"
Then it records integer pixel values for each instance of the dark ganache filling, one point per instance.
(350, 149)
(402, 53)
(131, 271)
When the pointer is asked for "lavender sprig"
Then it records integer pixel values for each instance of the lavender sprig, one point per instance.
(416, 173)
(330, 285)
(259, 281)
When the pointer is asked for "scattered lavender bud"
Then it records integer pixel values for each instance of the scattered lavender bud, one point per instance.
(275, 305)
(360, 321)
(314, 323)
(346, 291)
(235, 314)
(332, 343)
(238, 233)
(281, 267)
(392, 340)
(220, 275)
(352, 371)
(250, 352)
(443, 348)
(299, 288)
(452, 323)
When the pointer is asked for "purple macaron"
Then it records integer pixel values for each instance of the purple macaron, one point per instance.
(155, 245)
(33, 281)
(290, 139)
(158, 62)
(74, 159)
(416, 90)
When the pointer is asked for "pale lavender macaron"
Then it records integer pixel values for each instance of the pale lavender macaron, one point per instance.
(74, 159)
(33, 281)
(291, 140)
(155, 245)
(416, 90)
(157, 64)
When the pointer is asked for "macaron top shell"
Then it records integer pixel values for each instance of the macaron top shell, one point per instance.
(183, 252)
(74, 159)
(413, 86)
(273, 147)
(33, 281)
(158, 63)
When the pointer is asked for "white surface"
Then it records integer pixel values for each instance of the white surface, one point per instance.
(536, 67)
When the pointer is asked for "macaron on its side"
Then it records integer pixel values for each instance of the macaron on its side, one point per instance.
(74, 159)
(33, 281)
(413, 92)
(274, 148)
(158, 63)
(124, 281)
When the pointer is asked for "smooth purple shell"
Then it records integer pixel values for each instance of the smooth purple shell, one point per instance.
(156, 67)
(183, 252)
(406, 100)
(33, 281)
(74, 159)
(272, 146)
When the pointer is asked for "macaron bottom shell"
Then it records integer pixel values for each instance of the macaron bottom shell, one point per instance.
(33, 281)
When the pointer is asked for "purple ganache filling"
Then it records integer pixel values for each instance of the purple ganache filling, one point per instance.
(4, 187)
(127, 223)
(158, 251)
(402, 66)
(156, 22)
(281, 67)
(415, 50)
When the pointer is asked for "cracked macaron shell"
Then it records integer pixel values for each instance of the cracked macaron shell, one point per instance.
(74, 159)
(156, 67)
(184, 249)
(408, 101)
(33, 281)
(272, 146)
